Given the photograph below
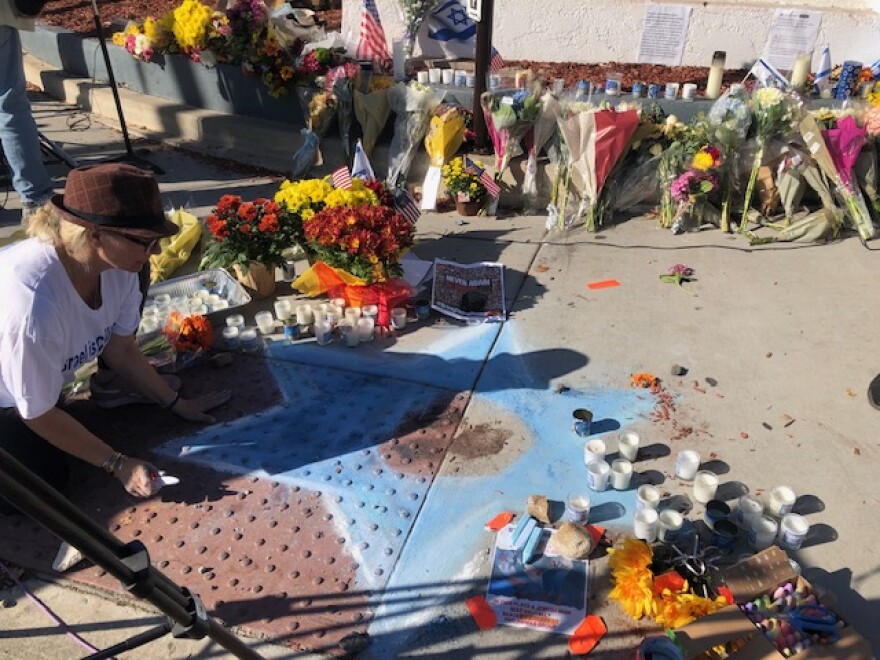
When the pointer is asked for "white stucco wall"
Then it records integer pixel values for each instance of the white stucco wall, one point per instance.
(609, 30)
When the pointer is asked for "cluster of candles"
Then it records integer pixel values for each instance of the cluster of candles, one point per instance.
(762, 522)
(355, 325)
(158, 308)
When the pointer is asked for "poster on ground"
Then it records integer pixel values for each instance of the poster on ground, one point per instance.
(469, 292)
(548, 594)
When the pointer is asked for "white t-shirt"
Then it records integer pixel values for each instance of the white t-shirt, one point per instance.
(47, 331)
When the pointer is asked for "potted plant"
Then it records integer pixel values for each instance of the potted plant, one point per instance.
(465, 187)
(249, 238)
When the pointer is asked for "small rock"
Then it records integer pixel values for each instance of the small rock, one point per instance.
(571, 541)
(712, 382)
(9, 602)
(221, 360)
(539, 508)
(354, 643)
(766, 426)
(560, 388)
(678, 370)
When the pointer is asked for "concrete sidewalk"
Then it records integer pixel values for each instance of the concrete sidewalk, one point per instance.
(768, 335)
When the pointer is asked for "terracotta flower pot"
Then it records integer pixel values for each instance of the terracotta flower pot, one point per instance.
(258, 279)
(468, 208)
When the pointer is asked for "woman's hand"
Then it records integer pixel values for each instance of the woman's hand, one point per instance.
(137, 477)
(193, 410)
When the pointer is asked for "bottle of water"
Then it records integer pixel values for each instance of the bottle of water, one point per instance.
(583, 91)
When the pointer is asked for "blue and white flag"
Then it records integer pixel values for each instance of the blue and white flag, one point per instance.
(453, 30)
(823, 75)
(360, 167)
(768, 75)
(875, 69)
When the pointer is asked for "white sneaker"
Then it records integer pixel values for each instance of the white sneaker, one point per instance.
(29, 208)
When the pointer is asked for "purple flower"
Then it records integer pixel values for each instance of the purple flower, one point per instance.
(681, 270)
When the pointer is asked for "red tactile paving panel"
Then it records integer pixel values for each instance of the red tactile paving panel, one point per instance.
(263, 556)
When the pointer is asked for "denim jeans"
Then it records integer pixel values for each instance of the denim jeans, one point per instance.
(18, 131)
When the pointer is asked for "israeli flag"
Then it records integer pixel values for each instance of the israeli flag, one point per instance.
(360, 167)
(823, 75)
(768, 75)
(451, 28)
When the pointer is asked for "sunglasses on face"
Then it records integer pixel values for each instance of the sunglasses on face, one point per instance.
(146, 243)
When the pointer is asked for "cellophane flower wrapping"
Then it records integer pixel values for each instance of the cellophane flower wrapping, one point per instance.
(509, 116)
(594, 140)
(339, 82)
(413, 105)
(543, 131)
(730, 118)
(414, 13)
(372, 111)
(188, 334)
(775, 114)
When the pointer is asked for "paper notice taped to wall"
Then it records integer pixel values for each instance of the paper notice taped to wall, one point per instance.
(664, 34)
(793, 31)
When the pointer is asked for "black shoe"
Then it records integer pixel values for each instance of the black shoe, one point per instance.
(874, 392)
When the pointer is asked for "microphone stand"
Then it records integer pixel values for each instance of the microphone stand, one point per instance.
(130, 156)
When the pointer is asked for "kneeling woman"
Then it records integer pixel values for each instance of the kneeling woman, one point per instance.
(70, 293)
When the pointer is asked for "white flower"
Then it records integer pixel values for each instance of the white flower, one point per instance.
(767, 97)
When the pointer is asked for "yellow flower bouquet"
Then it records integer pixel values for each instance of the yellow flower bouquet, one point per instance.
(461, 184)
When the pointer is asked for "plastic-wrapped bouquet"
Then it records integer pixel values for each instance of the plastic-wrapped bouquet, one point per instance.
(414, 104)
(414, 14)
(730, 118)
(509, 115)
(188, 334)
(691, 189)
(775, 113)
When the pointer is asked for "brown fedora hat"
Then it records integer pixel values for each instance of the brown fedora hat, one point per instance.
(115, 196)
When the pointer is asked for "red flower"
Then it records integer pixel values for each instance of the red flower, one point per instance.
(227, 202)
(245, 228)
(247, 211)
(269, 223)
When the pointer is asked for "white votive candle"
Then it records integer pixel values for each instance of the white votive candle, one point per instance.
(434, 76)
(448, 76)
(597, 475)
(422, 77)
(304, 315)
(687, 464)
(705, 485)
(366, 327)
(282, 310)
(621, 473)
(628, 445)
(371, 311)
(647, 497)
(594, 450)
(645, 523)
(265, 322)
(398, 318)
(230, 336)
(235, 320)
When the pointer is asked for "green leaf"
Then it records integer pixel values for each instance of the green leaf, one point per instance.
(706, 186)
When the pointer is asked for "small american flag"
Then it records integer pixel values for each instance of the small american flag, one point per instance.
(341, 178)
(497, 62)
(491, 187)
(372, 44)
(407, 206)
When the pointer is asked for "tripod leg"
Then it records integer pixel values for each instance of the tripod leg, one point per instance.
(133, 642)
(50, 147)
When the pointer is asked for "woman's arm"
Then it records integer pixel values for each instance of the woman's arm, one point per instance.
(124, 357)
(61, 430)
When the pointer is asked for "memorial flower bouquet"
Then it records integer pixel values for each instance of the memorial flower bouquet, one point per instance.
(730, 118)
(414, 105)
(509, 116)
(365, 241)
(690, 191)
(414, 14)
(461, 183)
(307, 197)
(775, 114)
(188, 334)
(244, 232)
(667, 598)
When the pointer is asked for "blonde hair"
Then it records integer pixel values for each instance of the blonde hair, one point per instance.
(48, 226)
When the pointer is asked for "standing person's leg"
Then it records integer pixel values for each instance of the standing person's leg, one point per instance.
(18, 131)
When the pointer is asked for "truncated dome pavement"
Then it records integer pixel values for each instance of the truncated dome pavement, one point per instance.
(294, 510)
